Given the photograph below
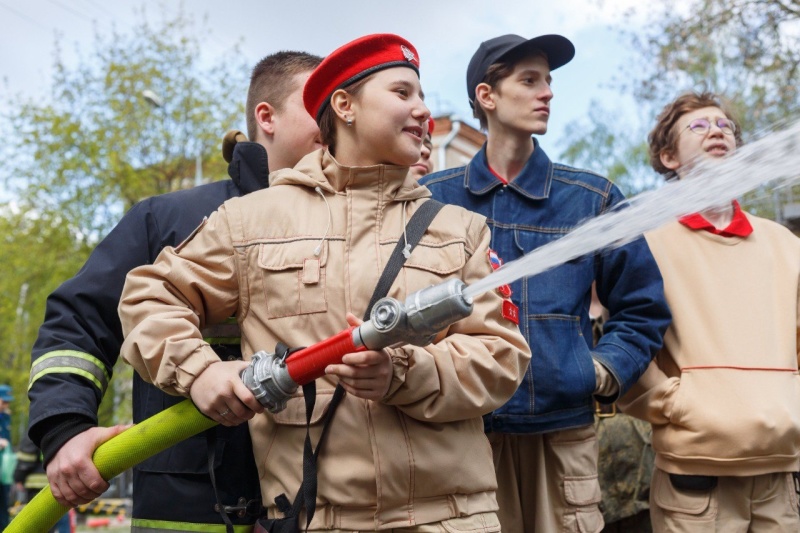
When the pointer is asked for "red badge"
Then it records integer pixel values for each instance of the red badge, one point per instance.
(495, 262)
(504, 290)
(511, 311)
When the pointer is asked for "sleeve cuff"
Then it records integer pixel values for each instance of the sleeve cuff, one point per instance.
(62, 431)
(193, 366)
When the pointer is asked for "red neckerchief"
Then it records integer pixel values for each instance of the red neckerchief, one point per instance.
(739, 226)
(498, 176)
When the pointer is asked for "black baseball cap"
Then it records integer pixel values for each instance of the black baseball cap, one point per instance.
(558, 49)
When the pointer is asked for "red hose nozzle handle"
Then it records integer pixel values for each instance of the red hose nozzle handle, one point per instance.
(308, 364)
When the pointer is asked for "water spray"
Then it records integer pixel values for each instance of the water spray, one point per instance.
(709, 183)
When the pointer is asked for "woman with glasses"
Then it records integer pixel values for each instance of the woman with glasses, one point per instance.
(405, 450)
(723, 395)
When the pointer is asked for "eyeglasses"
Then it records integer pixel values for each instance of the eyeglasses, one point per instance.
(701, 126)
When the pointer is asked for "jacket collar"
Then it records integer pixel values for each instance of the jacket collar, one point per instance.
(534, 180)
(320, 169)
(249, 168)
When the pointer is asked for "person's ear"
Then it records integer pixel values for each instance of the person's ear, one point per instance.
(484, 96)
(342, 104)
(669, 160)
(265, 117)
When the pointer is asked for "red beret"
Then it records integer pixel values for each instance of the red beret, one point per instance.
(431, 124)
(354, 61)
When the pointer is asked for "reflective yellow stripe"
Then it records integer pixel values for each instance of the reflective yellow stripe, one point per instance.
(36, 481)
(67, 370)
(222, 330)
(139, 525)
(227, 332)
(71, 362)
(27, 457)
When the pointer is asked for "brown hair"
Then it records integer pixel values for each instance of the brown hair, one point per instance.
(272, 81)
(327, 121)
(496, 73)
(663, 139)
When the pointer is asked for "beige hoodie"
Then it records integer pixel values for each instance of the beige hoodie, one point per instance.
(724, 393)
(419, 455)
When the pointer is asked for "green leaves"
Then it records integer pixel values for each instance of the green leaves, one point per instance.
(596, 142)
(98, 142)
(748, 51)
(77, 157)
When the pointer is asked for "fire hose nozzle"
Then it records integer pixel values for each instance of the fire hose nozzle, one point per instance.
(425, 313)
(273, 379)
(268, 379)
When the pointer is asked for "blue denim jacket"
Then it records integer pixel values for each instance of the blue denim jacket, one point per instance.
(543, 203)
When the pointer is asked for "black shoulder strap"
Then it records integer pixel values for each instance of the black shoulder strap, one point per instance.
(415, 229)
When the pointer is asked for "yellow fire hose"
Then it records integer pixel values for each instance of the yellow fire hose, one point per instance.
(116, 455)
(433, 308)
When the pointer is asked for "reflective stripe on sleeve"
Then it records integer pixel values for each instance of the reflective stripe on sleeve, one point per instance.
(36, 480)
(139, 525)
(224, 340)
(71, 362)
(227, 332)
(27, 457)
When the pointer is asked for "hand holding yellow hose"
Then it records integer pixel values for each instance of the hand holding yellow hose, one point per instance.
(272, 379)
(116, 455)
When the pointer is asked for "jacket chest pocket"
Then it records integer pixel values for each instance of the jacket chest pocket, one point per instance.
(431, 263)
(294, 278)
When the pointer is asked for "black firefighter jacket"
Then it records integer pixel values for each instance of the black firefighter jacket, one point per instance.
(79, 342)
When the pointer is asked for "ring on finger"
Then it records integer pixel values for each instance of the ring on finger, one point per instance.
(225, 413)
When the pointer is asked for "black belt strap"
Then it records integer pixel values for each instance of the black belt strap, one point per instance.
(211, 447)
(243, 507)
(307, 493)
(796, 479)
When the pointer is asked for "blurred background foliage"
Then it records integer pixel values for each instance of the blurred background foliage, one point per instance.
(746, 50)
(75, 162)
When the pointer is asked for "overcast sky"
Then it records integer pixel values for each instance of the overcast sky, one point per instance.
(445, 32)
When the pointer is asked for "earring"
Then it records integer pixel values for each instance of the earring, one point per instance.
(349, 121)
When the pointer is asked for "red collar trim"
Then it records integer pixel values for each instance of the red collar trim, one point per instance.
(739, 226)
(498, 176)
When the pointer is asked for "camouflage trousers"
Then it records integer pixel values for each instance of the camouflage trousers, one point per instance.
(625, 466)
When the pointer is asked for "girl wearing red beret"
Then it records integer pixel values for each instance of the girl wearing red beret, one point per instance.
(405, 450)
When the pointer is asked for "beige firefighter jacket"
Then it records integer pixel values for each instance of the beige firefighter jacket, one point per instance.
(289, 262)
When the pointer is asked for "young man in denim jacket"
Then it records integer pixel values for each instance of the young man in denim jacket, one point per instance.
(543, 439)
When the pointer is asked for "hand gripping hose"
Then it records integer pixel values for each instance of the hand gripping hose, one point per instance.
(273, 377)
(118, 454)
(272, 380)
